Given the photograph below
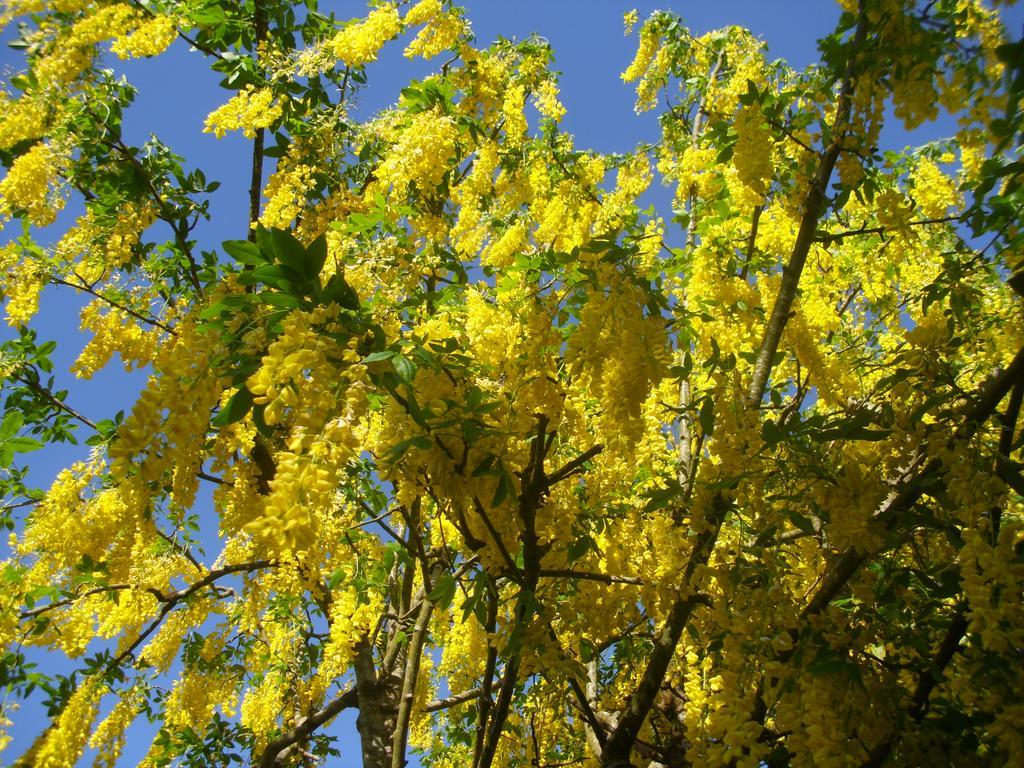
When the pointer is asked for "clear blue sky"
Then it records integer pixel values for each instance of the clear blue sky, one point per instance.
(177, 92)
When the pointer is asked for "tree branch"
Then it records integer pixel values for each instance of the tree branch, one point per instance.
(814, 206)
(272, 754)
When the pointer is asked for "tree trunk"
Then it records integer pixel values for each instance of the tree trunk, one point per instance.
(378, 708)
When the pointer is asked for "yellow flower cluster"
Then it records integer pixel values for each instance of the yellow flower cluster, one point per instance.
(263, 704)
(993, 582)
(316, 387)
(113, 331)
(617, 354)
(66, 742)
(441, 33)
(422, 12)
(359, 43)
(272, 660)
(547, 101)
(934, 191)
(565, 209)
(484, 81)
(895, 212)
(166, 430)
(109, 737)
(632, 179)
(422, 153)
(22, 279)
(21, 119)
(151, 38)
(195, 697)
(650, 246)
(132, 220)
(819, 719)
(71, 54)
(30, 186)
(99, 244)
(512, 112)
(629, 20)
(471, 227)
(249, 110)
(352, 619)
(286, 193)
(62, 502)
(161, 650)
(851, 504)
(752, 156)
(507, 246)
(650, 40)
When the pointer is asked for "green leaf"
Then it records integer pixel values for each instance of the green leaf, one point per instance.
(24, 444)
(444, 591)
(404, 367)
(503, 491)
(270, 274)
(853, 428)
(337, 576)
(377, 357)
(707, 416)
(235, 408)
(486, 466)
(244, 251)
(399, 450)
(340, 292)
(712, 360)
(579, 547)
(284, 247)
(315, 257)
(423, 442)
(802, 522)
(13, 421)
(587, 650)
(659, 498)
(226, 304)
(772, 433)
(278, 299)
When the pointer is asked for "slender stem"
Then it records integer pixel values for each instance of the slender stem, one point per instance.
(51, 398)
(575, 465)
(452, 701)
(831, 237)
(272, 754)
(814, 206)
(606, 578)
(137, 315)
(484, 701)
(619, 745)
(172, 599)
(256, 177)
(412, 672)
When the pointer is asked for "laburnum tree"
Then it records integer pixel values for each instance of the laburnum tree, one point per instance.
(523, 473)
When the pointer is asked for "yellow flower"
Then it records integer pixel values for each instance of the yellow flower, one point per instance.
(422, 12)
(151, 38)
(20, 120)
(752, 156)
(29, 186)
(248, 111)
(421, 155)
(650, 39)
(360, 43)
(286, 194)
(629, 20)
(547, 101)
(934, 191)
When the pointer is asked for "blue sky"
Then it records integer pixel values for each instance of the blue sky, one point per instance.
(177, 92)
